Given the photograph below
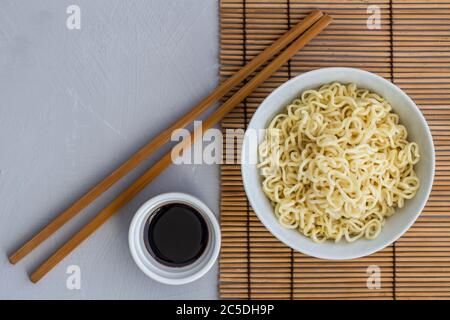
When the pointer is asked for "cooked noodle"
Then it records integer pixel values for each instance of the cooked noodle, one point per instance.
(337, 163)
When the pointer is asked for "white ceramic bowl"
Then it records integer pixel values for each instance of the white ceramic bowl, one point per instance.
(158, 271)
(410, 117)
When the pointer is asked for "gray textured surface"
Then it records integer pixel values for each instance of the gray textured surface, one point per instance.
(74, 105)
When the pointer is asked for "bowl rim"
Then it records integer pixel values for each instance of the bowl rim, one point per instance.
(283, 237)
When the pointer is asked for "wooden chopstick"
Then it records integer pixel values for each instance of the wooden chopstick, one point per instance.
(163, 137)
(166, 160)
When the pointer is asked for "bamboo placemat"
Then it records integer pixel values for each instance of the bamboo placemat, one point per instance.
(412, 48)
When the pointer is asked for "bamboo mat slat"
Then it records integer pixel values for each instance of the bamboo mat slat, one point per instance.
(412, 49)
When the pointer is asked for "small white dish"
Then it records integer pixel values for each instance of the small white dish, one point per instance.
(163, 273)
(410, 117)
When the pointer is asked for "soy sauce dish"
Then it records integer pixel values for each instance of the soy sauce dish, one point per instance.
(291, 204)
(174, 238)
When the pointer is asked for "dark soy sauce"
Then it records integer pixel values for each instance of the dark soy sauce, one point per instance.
(176, 235)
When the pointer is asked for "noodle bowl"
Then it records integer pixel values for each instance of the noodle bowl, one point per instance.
(337, 163)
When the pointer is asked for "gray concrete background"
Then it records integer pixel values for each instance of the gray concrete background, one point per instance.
(74, 105)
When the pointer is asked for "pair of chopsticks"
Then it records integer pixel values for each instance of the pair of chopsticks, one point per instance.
(297, 37)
